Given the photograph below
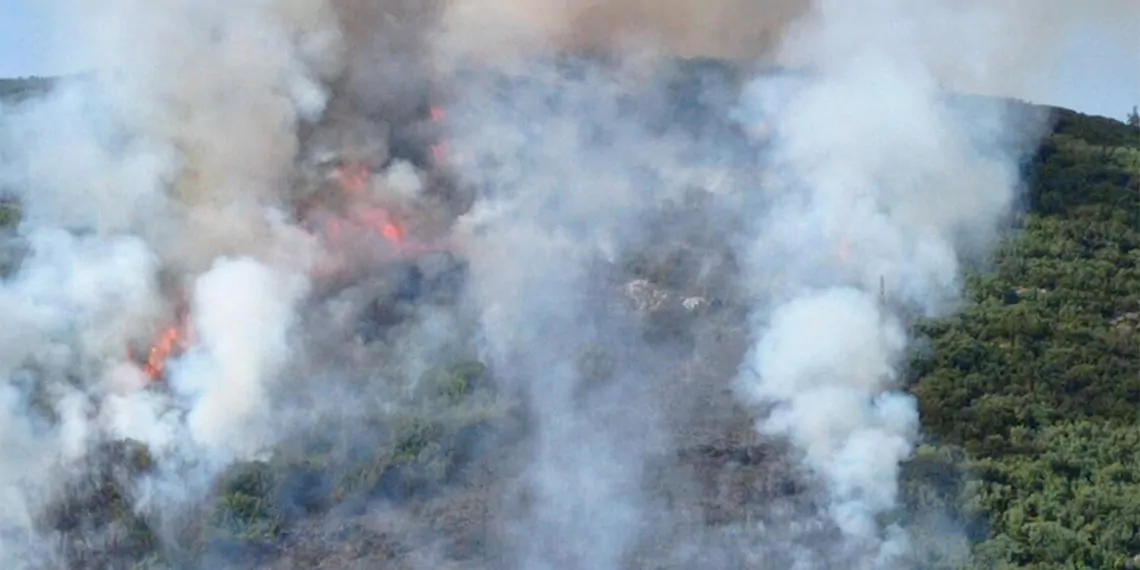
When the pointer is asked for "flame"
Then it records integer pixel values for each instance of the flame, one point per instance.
(439, 152)
(353, 177)
(392, 232)
(172, 342)
(380, 220)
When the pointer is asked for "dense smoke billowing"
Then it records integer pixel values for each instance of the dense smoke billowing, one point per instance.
(172, 193)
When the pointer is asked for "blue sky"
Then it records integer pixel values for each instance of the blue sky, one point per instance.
(25, 39)
(1098, 74)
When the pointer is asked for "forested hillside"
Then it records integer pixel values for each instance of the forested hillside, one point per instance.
(1030, 401)
(1037, 382)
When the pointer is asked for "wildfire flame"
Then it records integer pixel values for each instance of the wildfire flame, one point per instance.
(379, 220)
(172, 341)
(354, 178)
(438, 150)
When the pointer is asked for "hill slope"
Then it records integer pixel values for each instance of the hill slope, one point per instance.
(1030, 397)
(1038, 381)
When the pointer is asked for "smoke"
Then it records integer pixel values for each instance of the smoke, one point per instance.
(725, 28)
(1000, 48)
(880, 182)
(166, 171)
(566, 187)
(242, 311)
(170, 181)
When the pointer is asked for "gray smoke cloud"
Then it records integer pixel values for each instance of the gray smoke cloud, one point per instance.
(1027, 32)
(174, 158)
(167, 180)
(878, 182)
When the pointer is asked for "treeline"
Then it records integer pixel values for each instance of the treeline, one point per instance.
(1032, 395)
(14, 90)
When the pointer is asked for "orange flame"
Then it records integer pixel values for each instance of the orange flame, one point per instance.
(392, 232)
(171, 343)
(438, 150)
(353, 177)
(379, 220)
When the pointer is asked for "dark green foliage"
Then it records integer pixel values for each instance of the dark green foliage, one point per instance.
(1095, 130)
(452, 384)
(95, 516)
(393, 457)
(21, 89)
(246, 508)
(9, 214)
(1038, 381)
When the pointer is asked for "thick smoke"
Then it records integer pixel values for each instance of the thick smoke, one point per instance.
(1015, 39)
(157, 182)
(242, 314)
(721, 28)
(879, 181)
(168, 181)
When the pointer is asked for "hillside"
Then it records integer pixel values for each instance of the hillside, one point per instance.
(1030, 399)
(1037, 382)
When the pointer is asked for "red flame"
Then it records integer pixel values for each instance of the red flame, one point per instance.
(172, 341)
(392, 232)
(353, 177)
(439, 152)
(380, 220)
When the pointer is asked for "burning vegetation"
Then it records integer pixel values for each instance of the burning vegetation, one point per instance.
(607, 310)
(363, 223)
(171, 343)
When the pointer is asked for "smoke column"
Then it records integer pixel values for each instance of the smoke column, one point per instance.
(179, 155)
(877, 179)
(166, 170)
(564, 193)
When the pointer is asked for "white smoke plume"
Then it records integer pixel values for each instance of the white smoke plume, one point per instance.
(167, 179)
(242, 311)
(567, 187)
(173, 157)
(879, 182)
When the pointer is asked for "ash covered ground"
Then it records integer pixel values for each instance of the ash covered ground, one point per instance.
(398, 285)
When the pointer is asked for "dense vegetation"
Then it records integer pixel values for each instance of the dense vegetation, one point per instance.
(16, 90)
(1033, 392)
(1030, 398)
